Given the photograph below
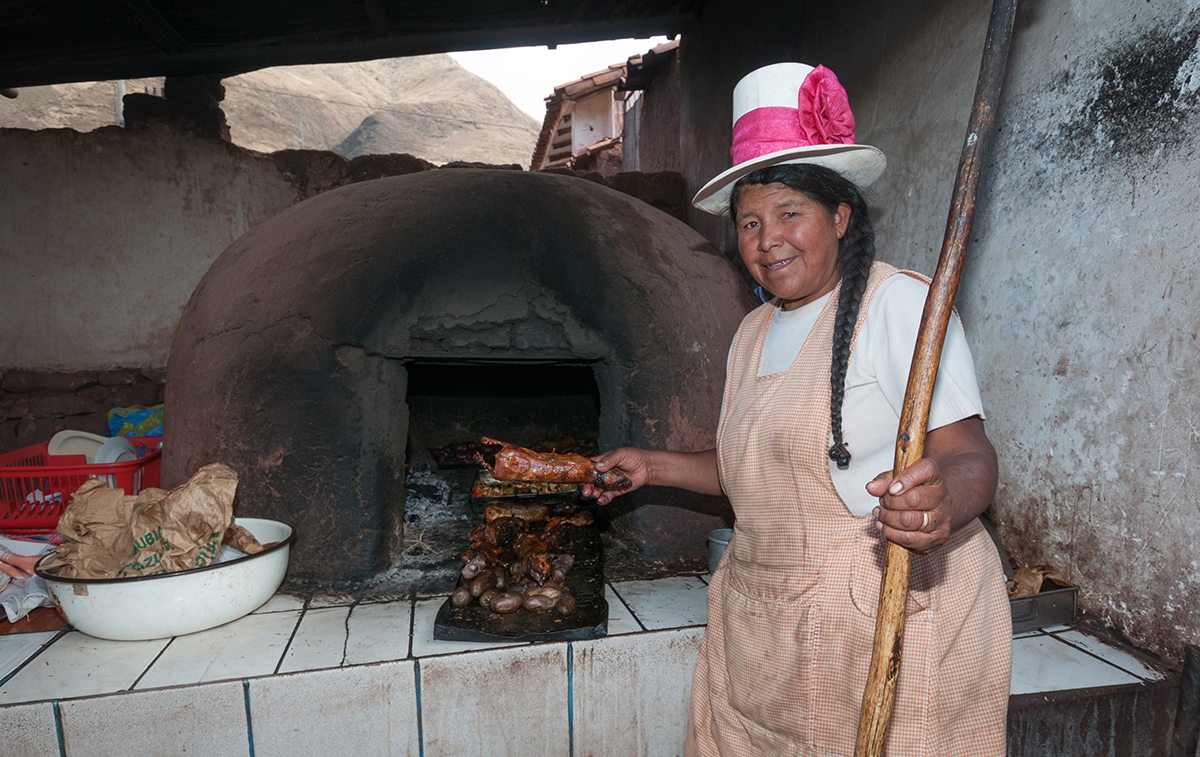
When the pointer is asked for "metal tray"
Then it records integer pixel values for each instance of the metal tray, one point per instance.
(1049, 607)
(589, 621)
(484, 486)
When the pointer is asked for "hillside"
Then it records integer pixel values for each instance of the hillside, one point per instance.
(427, 106)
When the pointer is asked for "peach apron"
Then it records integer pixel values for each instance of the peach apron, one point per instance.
(791, 607)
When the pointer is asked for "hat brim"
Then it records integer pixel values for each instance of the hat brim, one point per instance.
(861, 164)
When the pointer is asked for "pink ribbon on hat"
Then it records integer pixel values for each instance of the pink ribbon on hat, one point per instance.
(822, 117)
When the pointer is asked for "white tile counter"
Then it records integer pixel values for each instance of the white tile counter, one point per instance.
(328, 675)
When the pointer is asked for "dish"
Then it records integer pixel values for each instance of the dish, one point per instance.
(173, 604)
(72, 442)
(118, 449)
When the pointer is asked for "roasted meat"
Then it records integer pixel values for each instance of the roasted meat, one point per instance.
(510, 565)
(515, 463)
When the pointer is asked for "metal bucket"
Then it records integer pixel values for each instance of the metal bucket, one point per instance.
(718, 540)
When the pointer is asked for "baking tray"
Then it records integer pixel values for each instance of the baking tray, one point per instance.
(1049, 607)
(585, 581)
(486, 483)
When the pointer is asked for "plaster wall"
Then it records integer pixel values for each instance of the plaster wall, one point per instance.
(1078, 291)
(592, 121)
(107, 233)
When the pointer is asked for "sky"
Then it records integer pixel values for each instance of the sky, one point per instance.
(528, 75)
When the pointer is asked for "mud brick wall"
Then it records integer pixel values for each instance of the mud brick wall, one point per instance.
(35, 405)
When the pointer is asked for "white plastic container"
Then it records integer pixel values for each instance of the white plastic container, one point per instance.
(718, 540)
(173, 604)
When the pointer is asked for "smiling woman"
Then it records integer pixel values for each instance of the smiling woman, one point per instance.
(789, 241)
(792, 602)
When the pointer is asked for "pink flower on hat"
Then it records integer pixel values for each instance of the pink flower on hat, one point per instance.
(824, 109)
(791, 113)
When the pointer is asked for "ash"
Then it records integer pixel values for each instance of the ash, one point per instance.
(438, 517)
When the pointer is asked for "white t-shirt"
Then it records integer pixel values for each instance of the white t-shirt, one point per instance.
(877, 377)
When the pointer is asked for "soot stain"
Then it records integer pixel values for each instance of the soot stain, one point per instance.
(1142, 102)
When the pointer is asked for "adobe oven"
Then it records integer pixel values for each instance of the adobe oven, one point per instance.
(327, 347)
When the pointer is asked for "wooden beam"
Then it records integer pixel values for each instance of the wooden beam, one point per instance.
(18, 68)
(153, 25)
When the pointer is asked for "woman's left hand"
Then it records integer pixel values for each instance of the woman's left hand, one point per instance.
(914, 507)
(940, 493)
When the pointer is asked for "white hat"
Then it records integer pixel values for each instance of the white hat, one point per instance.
(791, 113)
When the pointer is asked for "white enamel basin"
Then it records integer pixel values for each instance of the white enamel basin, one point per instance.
(173, 604)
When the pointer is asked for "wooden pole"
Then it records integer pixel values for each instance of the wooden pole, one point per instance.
(880, 692)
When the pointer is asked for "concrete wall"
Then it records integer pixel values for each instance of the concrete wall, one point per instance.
(107, 234)
(651, 131)
(1078, 293)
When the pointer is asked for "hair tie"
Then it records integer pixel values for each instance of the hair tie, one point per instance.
(840, 455)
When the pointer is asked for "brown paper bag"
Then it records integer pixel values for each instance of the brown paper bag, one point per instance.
(183, 529)
(111, 535)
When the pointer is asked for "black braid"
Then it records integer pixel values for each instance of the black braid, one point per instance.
(856, 252)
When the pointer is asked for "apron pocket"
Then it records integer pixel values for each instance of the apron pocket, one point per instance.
(866, 573)
(768, 661)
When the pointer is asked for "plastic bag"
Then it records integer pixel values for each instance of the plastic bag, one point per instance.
(135, 421)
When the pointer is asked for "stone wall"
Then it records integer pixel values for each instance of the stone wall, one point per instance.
(35, 405)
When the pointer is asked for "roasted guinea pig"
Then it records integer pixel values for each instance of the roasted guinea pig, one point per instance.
(515, 463)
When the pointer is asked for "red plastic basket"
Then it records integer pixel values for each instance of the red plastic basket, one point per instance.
(35, 487)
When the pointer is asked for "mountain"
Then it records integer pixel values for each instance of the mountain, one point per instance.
(428, 106)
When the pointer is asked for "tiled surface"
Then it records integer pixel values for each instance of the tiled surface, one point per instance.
(28, 730)
(281, 602)
(249, 646)
(667, 602)
(1045, 663)
(1109, 654)
(197, 721)
(18, 647)
(423, 643)
(658, 666)
(620, 619)
(361, 668)
(364, 711)
(320, 641)
(78, 665)
(508, 702)
(378, 632)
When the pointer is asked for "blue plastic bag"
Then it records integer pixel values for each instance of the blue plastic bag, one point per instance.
(135, 421)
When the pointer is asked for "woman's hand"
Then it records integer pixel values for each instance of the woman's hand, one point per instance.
(941, 492)
(694, 471)
(631, 462)
(913, 507)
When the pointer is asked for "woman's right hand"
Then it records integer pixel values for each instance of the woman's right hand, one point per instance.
(631, 462)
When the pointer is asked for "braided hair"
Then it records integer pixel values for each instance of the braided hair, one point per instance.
(856, 252)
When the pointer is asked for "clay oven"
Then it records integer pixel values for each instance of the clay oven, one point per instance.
(295, 355)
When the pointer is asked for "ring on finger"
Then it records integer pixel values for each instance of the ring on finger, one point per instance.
(924, 521)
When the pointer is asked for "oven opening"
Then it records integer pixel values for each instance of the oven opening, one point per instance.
(451, 404)
(522, 403)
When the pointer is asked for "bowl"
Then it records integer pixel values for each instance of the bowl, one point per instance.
(71, 442)
(116, 450)
(173, 604)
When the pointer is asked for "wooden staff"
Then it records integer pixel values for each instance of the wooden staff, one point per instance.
(880, 691)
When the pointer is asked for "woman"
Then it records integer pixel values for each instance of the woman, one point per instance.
(818, 371)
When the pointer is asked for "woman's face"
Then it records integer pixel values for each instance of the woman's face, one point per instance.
(789, 242)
